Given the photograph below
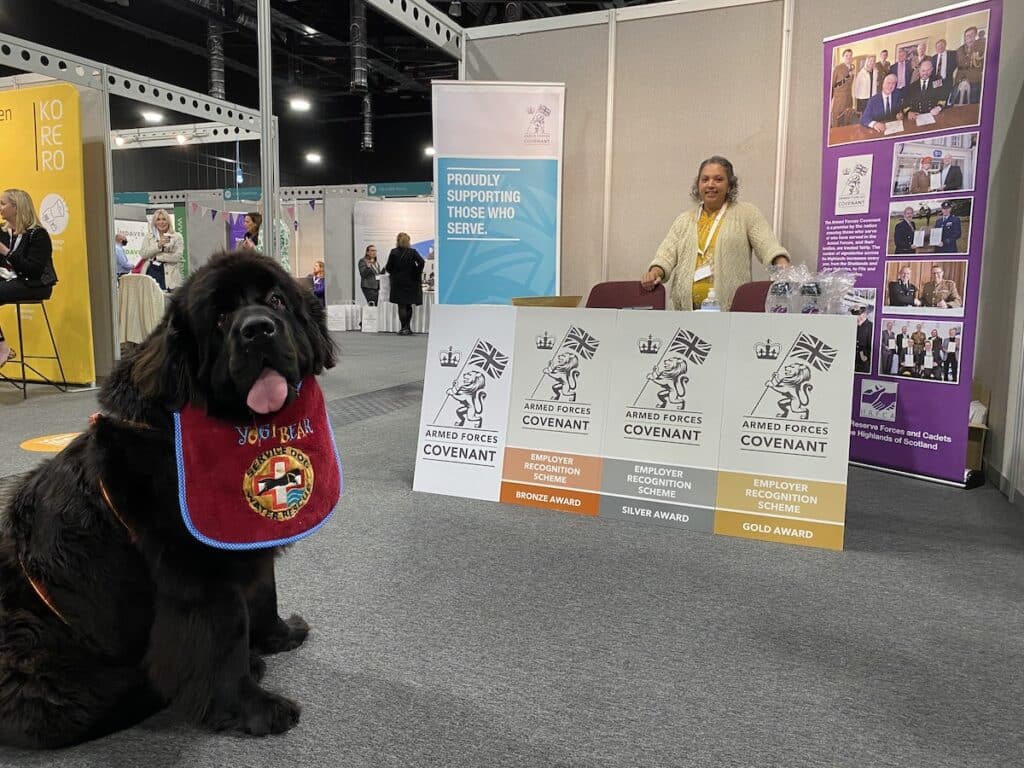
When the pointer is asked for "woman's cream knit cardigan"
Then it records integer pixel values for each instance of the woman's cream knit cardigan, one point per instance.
(743, 229)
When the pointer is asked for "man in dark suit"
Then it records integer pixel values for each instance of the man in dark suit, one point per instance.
(943, 66)
(952, 175)
(924, 96)
(903, 232)
(884, 106)
(902, 292)
(888, 348)
(862, 361)
(903, 69)
(951, 230)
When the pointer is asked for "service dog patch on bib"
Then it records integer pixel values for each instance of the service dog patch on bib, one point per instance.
(262, 484)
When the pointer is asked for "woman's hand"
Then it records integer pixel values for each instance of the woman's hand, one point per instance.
(652, 279)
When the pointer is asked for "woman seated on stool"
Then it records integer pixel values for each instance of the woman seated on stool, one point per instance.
(26, 256)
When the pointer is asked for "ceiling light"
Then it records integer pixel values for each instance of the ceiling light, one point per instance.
(181, 138)
(429, 151)
(313, 157)
(119, 140)
(299, 104)
(152, 117)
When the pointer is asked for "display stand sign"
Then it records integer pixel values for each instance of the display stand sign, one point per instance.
(728, 424)
(904, 194)
(498, 176)
(44, 124)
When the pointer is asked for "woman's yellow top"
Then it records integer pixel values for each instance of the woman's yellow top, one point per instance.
(704, 224)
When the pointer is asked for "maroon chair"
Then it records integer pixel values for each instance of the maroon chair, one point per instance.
(750, 297)
(625, 294)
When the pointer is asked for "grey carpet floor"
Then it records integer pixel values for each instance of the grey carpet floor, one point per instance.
(449, 632)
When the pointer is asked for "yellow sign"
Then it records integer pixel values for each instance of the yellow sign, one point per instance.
(49, 443)
(44, 123)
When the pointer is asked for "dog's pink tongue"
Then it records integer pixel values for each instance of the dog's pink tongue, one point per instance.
(268, 392)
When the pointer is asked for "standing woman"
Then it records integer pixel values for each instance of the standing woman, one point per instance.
(405, 265)
(26, 255)
(251, 238)
(318, 282)
(710, 246)
(368, 271)
(163, 248)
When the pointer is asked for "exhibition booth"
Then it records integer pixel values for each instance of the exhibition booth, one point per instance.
(570, 187)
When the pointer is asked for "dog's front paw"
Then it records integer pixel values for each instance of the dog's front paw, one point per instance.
(272, 714)
(261, 713)
(287, 635)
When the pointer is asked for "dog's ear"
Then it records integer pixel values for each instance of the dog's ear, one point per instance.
(314, 318)
(162, 367)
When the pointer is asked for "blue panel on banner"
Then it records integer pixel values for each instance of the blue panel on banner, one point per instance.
(497, 229)
(130, 198)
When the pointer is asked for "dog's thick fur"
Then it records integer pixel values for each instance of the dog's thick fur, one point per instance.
(151, 617)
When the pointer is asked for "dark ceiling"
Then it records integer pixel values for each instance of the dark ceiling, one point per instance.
(168, 40)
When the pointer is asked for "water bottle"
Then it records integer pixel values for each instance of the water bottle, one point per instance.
(710, 304)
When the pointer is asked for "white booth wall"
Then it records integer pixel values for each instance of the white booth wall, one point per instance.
(705, 80)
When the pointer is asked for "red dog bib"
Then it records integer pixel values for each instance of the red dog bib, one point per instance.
(264, 484)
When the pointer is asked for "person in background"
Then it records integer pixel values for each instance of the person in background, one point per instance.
(865, 329)
(917, 340)
(903, 232)
(710, 246)
(950, 348)
(921, 180)
(939, 292)
(952, 175)
(970, 67)
(951, 228)
(902, 292)
(405, 265)
(933, 356)
(26, 256)
(903, 348)
(251, 239)
(882, 65)
(162, 250)
(123, 266)
(918, 57)
(866, 84)
(925, 96)
(884, 106)
(318, 282)
(902, 69)
(368, 271)
(842, 90)
(888, 335)
(943, 64)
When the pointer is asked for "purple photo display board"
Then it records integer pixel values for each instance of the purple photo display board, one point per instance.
(903, 198)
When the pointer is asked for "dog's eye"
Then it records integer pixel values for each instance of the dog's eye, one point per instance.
(275, 301)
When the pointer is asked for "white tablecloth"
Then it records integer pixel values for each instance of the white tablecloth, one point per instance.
(389, 322)
(349, 317)
(141, 306)
(344, 317)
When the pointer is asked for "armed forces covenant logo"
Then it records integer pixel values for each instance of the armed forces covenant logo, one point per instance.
(278, 483)
(536, 128)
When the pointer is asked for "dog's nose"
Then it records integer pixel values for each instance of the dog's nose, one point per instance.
(257, 327)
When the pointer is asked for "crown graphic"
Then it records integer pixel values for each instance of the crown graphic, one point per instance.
(766, 350)
(546, 341)
(648, 346)
(450, 357)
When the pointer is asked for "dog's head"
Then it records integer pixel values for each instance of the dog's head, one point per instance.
(238, 337)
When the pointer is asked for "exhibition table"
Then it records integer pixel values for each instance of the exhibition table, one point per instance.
(950, 117)
(344, 317)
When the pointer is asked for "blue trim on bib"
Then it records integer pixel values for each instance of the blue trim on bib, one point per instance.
(235, 546)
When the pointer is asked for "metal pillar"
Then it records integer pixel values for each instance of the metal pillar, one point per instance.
(268, 134)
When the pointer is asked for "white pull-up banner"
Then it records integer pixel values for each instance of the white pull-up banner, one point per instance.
(498, 179)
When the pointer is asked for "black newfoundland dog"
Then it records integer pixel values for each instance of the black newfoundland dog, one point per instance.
(110, 610)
